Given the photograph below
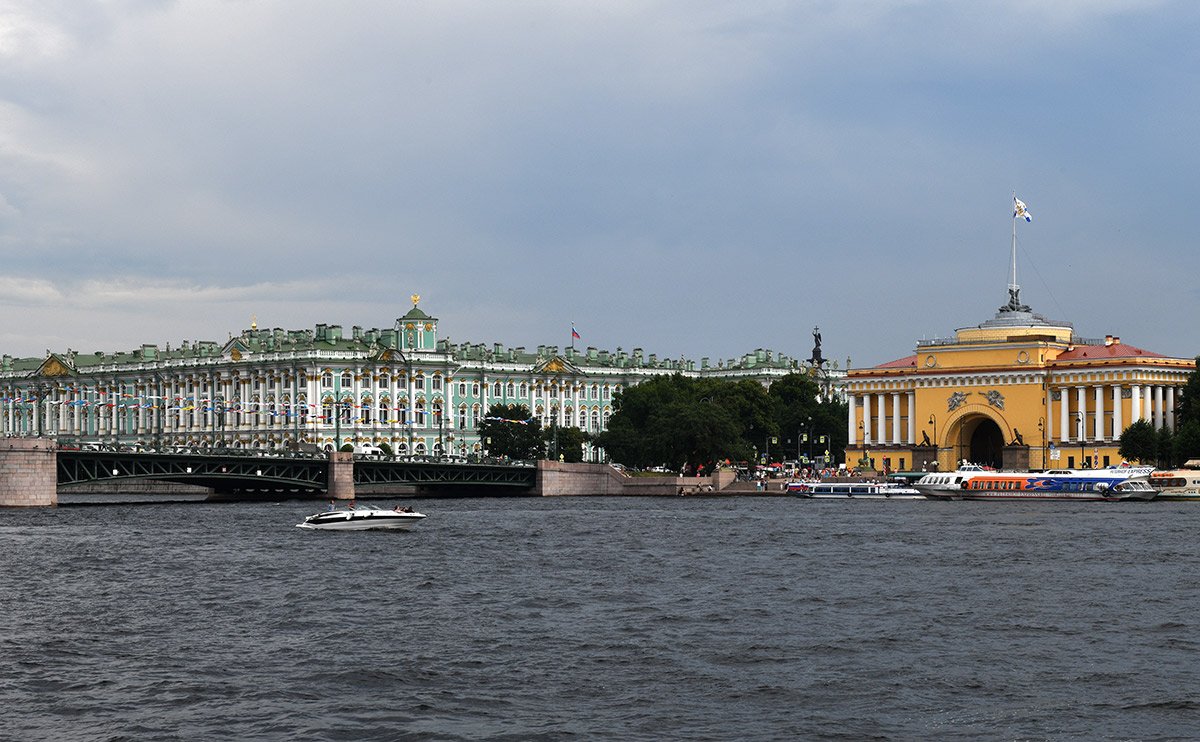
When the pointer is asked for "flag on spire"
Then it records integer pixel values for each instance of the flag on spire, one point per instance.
(1020, 211)
(574, 335)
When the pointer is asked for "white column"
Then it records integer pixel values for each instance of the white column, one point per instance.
(1135, 404)
(912, 418)
(851, 422)
(866, 420)
(1147, 411)
(1116, 400)
(1081, 425)
(1169, 412)
(1158, 407)
(895, 418)
(881, 430)
(1064, 423)
(1099, 435)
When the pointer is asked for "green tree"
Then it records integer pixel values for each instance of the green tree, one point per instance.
(1188, 407)
(386, 448)
(799, 413)
(1187, 442)
(1139, 443)
(566, 443)
(684, 423)
(1166, 448)
(509, 430)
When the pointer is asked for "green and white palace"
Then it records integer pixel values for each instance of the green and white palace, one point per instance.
(274, 389)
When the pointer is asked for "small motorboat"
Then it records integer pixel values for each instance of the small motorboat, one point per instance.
(363, 518)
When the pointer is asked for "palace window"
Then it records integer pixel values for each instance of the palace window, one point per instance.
(524, 390)
(384, 380)
(437, 382)
(496, 389)
(327, 381)
(475, 389)
(511, 389)
(347, 380)
(462, 416)
(462, 389)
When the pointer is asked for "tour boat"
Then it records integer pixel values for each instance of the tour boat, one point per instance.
(1178, 484)
(362, 518)
(864, 490)
(972, 482)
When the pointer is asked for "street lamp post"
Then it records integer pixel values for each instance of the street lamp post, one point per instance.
(1042, 436)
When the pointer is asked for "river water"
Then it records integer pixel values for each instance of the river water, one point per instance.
(751, 618)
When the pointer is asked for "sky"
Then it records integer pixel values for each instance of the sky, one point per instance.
(694, 178)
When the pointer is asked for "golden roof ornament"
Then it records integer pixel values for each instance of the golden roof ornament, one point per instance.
(253, 322)
(416, 299)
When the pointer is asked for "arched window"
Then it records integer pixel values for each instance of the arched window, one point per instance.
(327, 380)
(347, 379)
(437, 413)
(383, 381)
(595, 420)
(524, 390)
(496, 389)
(568, 417)
(366, 411)
(419, 415)
(437, 382)
(462, 416)
(385, 416)
(511, 390)
(475, 416)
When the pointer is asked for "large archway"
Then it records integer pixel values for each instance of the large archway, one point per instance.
(982, 441)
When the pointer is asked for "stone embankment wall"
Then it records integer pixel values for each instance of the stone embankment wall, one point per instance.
(560, 479)
(28, 472)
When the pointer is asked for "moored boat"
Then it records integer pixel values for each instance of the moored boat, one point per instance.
(1178, 484)
(864, 490)
(976, 483)
(362, 518)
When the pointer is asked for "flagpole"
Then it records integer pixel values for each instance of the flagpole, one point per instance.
(1012, 284)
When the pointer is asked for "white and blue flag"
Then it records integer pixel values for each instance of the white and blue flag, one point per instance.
(1019, 210)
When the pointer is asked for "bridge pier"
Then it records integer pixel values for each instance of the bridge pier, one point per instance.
(341, 475)
(28, 472)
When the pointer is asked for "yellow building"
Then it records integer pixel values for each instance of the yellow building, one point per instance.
(1017, 391)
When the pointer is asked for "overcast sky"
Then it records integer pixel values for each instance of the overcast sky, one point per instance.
(693, 178)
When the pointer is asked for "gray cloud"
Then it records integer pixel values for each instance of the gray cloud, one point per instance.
(694, 178)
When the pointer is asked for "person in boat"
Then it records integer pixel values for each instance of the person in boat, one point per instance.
(332, 505)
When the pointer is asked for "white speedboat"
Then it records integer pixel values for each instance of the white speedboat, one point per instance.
(864, 490)
(972, 482)
(362, 518)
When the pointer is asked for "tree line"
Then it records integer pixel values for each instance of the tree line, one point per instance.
(686, 424)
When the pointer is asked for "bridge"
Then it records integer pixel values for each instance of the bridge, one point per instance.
(31, 470)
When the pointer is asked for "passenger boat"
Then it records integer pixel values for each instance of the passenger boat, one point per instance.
(1178, 484)
(362, 518)
(864, 490)
(972, 482)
